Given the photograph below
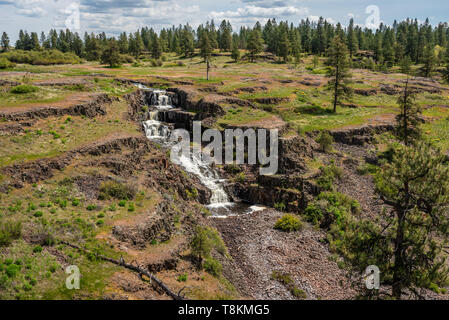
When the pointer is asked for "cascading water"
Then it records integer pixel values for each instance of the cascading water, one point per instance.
(158, 131)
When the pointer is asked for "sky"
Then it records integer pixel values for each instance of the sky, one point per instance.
(115, 16)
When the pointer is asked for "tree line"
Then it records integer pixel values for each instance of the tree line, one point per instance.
(389, 44)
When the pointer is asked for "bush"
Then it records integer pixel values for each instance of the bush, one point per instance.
(280, 206)
(131, 207)
(288, 223)
(12, 270)
(37, 249)
(38, 214)
(182, 278)
(213, 267)
(328, 176)
(325, 140)
(24, 88)
(9, 231)
(75, 202)
(116, 190)
(156, 63)
(122, 203)
(6, 64)
(331, 208)
(91, 207)
(46, 57)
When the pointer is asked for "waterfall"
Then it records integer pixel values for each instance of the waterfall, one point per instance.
(160, 132)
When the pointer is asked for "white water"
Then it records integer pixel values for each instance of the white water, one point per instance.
(156, 130)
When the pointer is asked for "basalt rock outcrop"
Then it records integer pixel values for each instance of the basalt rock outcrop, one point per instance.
(360, 135)
(96, 105)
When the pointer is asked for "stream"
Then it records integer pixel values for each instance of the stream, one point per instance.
(159, 132)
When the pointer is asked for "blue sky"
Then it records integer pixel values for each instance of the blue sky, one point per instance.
(114, 16)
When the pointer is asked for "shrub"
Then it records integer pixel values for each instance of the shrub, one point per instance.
(288, 223)
(23, 88)
(6, 64)
(182, 278)
(204, 240)
(91, 207)
(331, 208)
(213, 267)
(37, 249)
(156, 63)
(45, 57)
(116, 190)
(131, 207)
(192, 194)
(38, 214)
(122, 203)
(280, 206)
(12, 270)
(325, 140)
(328, 176)
(75, 202)
(9, 231)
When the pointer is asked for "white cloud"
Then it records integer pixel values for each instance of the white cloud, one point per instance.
(259, 12)
(32, 12)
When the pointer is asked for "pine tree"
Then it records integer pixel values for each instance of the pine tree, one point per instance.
(352, 39)
(407, 245)
(123, 43)
(5, 42)
(255, 43)
(296, 47)
(338, 71)
(205, 46)
(284, 45)
(429, 61)
(111, 55)
(406, 65)
(235, 51)
(407, 128)
(225, 36)
(34, 42)
(416, 187)
(156, 50)
(446, 67)
(187, 43)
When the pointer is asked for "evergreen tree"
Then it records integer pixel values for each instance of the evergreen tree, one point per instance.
(296, 47)
(416, 187)
(156, 50)
(205, 46)
(111, 55)
(187, 42)
(407, 128)
(407, 246)
(406, 64)
(284, 45)
(352, 39)
(225, 36)
(34, 42)
(429, 61)
(5, 42)
(123, 43)
(255, 43)
(338, 71)
(235, 51)
(446, 67)
(93, 48)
